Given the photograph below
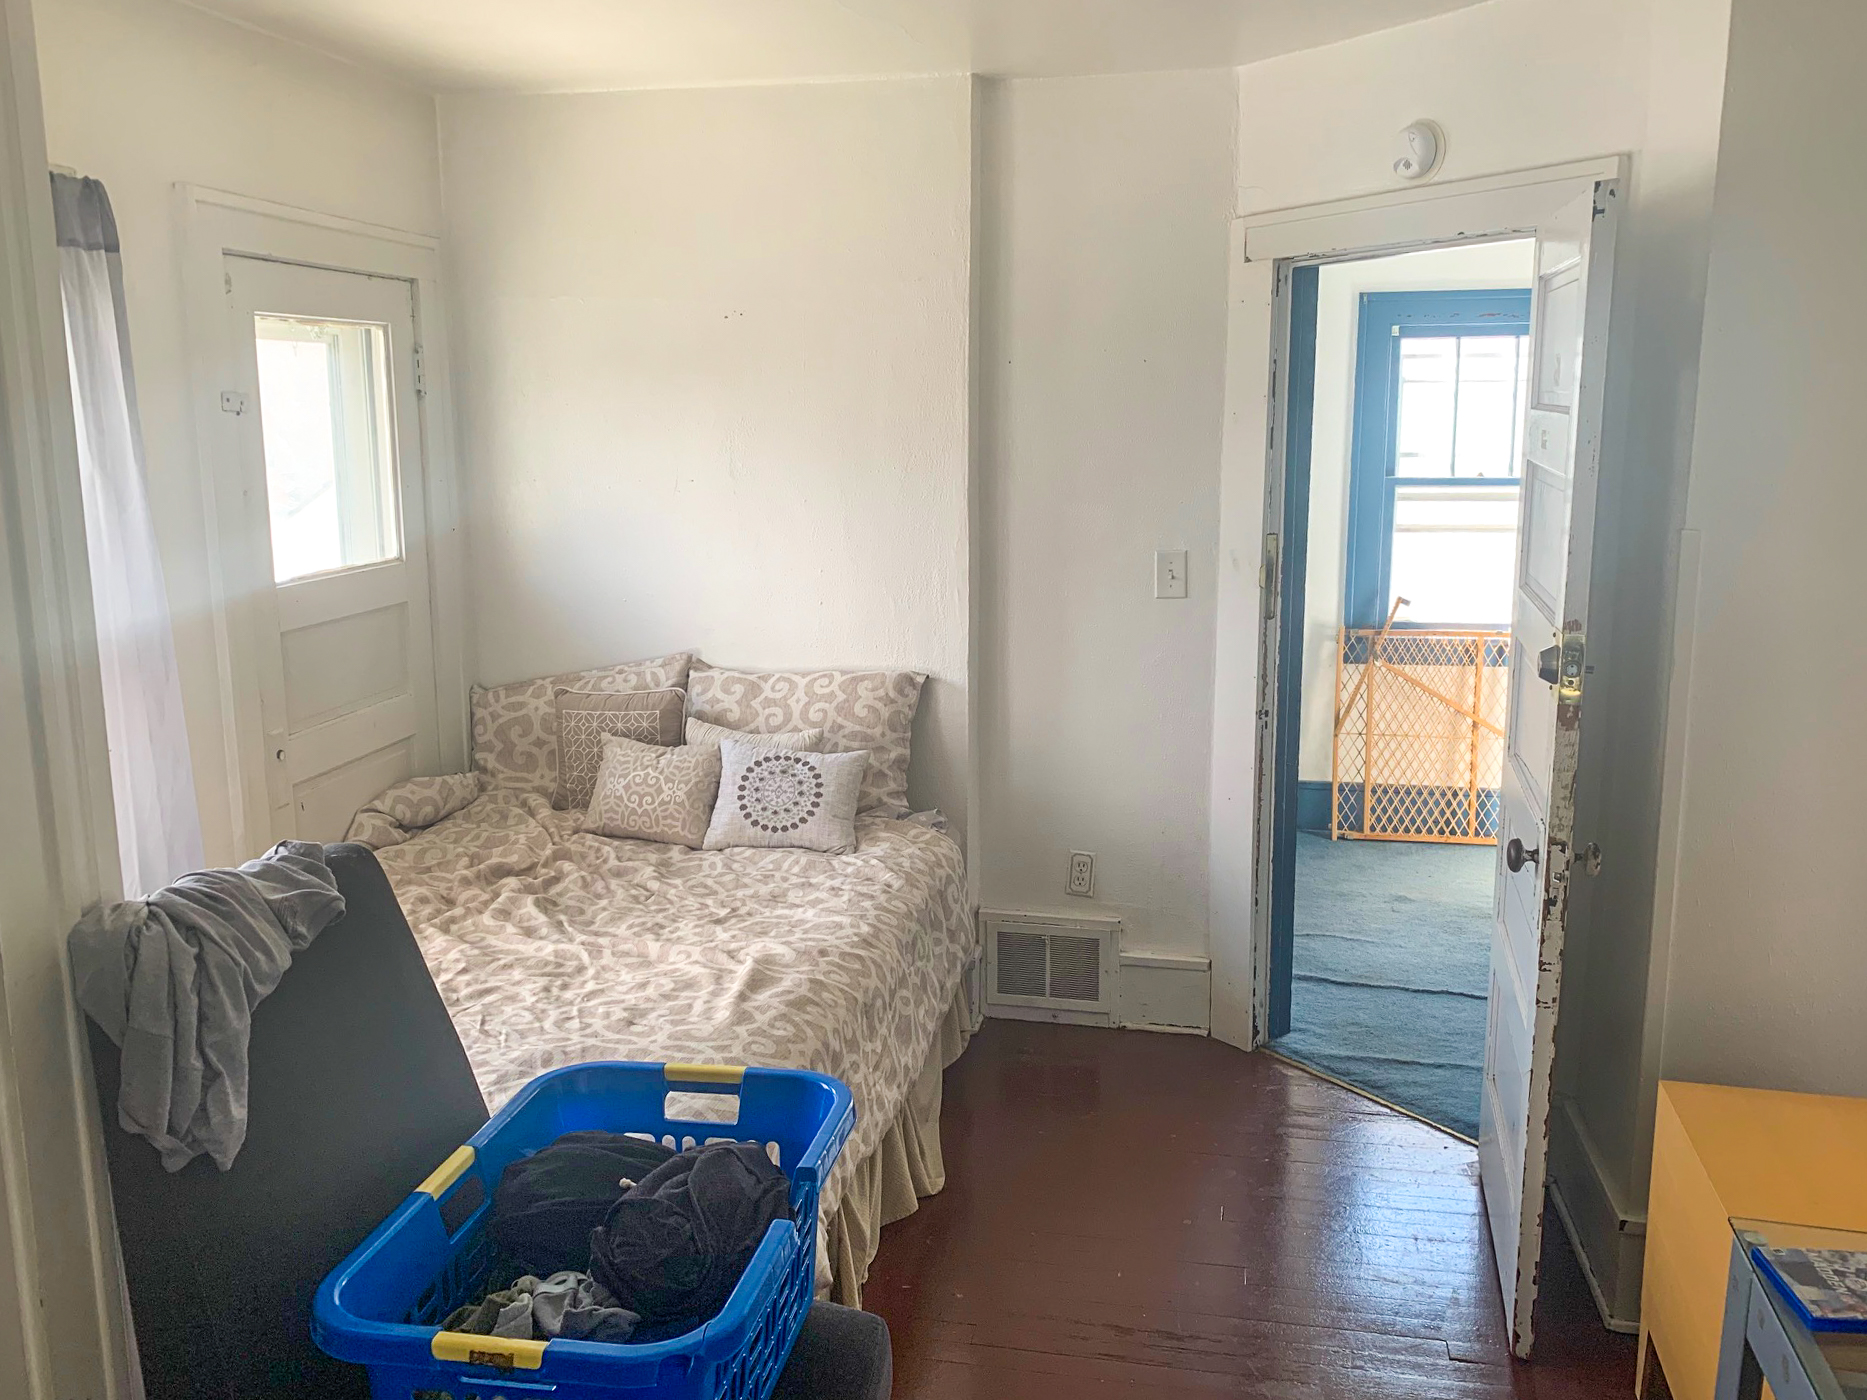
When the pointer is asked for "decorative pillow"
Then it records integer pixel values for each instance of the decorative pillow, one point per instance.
(871, 710)
(781, 797)
(801, 740)
(515, 727)
(651, 793)
(585, 720)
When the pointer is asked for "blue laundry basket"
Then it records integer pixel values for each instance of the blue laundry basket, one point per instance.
(383, 1306)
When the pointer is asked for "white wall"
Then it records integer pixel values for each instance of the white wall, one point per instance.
(1768, 963)
(143, 94)
(1339, 287)
(1104, 213)
(713, 379)
(1519, 83)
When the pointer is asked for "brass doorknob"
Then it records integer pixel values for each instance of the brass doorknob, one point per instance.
(1517, 855)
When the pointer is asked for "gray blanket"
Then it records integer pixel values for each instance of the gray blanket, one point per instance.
(173, 980)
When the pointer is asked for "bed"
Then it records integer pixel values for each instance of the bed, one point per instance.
(551, 946)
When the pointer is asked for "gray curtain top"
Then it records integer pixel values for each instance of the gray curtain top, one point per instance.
(81, 210)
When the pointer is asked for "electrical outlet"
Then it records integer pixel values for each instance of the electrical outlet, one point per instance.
(1170, 573)
(1082, 879)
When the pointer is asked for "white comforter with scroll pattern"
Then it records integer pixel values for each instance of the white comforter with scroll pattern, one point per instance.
(552, 947)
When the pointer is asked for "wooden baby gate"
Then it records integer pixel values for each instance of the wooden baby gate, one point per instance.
(1419, 734)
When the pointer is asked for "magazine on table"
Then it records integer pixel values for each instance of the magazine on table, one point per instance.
(1826, 1287)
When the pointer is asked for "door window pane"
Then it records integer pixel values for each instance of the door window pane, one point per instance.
(330, 458)
(1454, 553)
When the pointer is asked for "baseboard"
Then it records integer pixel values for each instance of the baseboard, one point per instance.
(1314, 798)
(1165, 992)
(1609, 1239)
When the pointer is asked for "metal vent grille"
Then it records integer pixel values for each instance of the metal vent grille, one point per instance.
(1075, 968)
(1067, 967)
(1022, 960)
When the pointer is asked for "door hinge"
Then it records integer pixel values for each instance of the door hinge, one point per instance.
(1268, 576)
(421, 373)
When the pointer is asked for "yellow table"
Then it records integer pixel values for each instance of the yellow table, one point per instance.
(1720, 1152)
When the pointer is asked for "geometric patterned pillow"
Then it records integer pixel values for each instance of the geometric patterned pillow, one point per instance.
(780, 797)
(857, 710)
(515, 727)
(648, 793)
(585, 720)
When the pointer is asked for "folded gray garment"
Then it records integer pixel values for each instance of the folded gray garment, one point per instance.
(568, 1304)
(173, 980)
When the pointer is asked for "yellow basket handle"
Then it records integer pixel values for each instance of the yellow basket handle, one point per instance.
(704, 1074)
(449, 1171)
(471, 1349)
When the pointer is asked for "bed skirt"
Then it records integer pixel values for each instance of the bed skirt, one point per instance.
(905, 1166)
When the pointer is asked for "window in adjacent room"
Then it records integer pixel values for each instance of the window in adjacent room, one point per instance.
(1439, 391)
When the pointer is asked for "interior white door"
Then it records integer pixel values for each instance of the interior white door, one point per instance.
(1548, 669)
(332, 462)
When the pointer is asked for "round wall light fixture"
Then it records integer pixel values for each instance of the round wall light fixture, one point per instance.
(1422, 149)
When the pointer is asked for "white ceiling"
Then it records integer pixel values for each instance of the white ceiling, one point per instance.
(559, 45)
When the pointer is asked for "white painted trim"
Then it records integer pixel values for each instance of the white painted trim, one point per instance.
(1232, 807)
(57, 829)
(1164, 992)
(1178, 962)
(1622, 1326)
(1458, 211)
(204, 196)
(1608, 1239)
(214, 224)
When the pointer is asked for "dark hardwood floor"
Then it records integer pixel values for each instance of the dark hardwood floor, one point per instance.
(1130, 1213)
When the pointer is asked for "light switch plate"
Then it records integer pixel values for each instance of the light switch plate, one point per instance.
(1170, 573)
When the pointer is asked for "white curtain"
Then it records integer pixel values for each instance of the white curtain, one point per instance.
(158, 821)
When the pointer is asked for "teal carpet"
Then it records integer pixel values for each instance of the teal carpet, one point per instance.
(1392, 963)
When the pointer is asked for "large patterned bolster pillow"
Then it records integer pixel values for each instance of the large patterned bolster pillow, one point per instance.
(857, 711)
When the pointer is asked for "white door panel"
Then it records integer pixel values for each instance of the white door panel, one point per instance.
(327, 801)
(1562, 434)
(333, 453)
(1559, 345)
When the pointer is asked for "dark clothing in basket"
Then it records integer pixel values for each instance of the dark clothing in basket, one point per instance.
(548, 1203)
(568, 1304)
(673, 1248)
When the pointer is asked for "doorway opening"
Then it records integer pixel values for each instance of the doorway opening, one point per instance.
(1400, 555)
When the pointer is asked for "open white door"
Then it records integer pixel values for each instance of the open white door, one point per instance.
(331, 458)
(1562, 445)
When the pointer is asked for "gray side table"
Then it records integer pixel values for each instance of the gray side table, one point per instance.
(1763, 1339)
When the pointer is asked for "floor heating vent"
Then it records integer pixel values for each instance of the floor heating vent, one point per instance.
(1051, 969)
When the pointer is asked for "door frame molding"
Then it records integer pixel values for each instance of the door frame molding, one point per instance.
(61, 1315)
(1251, 487)
(214, 224)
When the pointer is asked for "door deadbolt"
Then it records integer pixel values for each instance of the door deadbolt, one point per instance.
(1517, 855)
